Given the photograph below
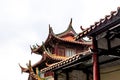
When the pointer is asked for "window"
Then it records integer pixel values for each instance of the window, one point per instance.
(61, 51)
(69, 52)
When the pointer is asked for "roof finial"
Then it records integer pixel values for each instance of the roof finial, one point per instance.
(50, 29)
(31, 49)
(22, 69)
(70, 22)
(82, 28)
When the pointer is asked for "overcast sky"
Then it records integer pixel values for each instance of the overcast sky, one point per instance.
(25, 22)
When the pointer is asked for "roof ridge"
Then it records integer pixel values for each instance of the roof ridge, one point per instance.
(72, 41)
(98, 23)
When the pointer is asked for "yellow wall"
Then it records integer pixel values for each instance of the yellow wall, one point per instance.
(110, 73)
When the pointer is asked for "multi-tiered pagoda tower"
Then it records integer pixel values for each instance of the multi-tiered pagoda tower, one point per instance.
(57, 47)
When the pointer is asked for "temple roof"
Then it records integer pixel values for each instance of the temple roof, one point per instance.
(67, 61)
(58, 39)
(46, 60)
(102, 24)
(84, 60)
(68, 36)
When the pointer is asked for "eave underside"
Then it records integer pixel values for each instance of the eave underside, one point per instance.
(106, 59)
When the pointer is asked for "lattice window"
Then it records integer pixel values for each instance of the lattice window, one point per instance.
(69, 52)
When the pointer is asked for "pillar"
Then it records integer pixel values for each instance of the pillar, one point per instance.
(56, 49)
(96, 70)
(55, 76)
(67, 75)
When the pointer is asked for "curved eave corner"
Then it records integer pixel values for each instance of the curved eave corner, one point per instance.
(70, 28)
(23, 69)
(45, 57)
(36, 48)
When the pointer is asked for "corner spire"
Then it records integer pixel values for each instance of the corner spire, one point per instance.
(81, 27)
(22, 68)
(70, 25)
(50, 29)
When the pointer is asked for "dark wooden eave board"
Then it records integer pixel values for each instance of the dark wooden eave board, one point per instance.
(105, 26)
(80, 61)
(83, 65)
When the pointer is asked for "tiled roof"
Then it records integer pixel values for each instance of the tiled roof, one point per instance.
(115, 15)
(49, 56)
(45, 57)
(74, 42)
(51, 36)
(54, 57)
(67, 61)
(69, 39)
